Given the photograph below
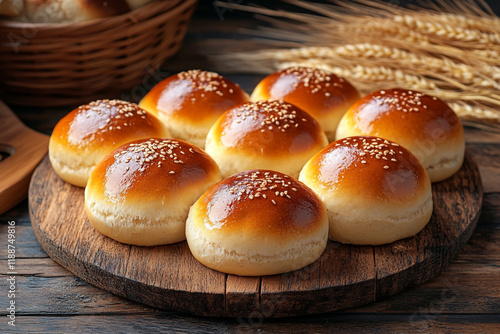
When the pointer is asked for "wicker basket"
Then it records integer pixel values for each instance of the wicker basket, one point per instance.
(74, 63)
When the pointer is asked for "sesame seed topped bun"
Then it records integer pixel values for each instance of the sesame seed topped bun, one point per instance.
(424, 124)
(375, 190)
(265, 134)
(140, 194)
(87, 134)
(322, 94)
(188, 103)
(257, 222)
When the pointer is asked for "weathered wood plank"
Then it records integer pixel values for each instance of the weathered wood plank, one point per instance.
(64, 295)
(41, 267)
(27, 244)
(331, 323)
(465, 287)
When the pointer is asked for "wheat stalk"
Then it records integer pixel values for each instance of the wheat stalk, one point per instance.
(448, 32)
(464, 73)
(485, 77)
(469, 112)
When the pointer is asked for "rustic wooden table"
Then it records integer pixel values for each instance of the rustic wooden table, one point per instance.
(465, 297)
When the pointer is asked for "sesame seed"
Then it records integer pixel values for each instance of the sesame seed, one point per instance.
(205, 82)
(316, 80)
(254, 185)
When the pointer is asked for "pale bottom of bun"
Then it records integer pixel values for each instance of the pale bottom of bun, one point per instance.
(141, 228)
(444, 169)
(194, 134)
(70, 168)
(250, 257)
(231, 163)
(360, 224)
(231, 262)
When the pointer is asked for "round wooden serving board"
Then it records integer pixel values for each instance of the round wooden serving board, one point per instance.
(169, 277)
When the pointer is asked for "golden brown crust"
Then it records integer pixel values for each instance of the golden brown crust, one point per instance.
(105, 124)
(316, 91)
(404, 115)
(194, 96)
(260, 203)
(149, 169)
(369, 167)
(268, 128)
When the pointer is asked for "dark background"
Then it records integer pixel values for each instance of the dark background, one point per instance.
(208, 8)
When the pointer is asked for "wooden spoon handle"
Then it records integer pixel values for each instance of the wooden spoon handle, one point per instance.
(26, 148)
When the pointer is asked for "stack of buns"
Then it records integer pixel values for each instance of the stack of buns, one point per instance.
(239, 204)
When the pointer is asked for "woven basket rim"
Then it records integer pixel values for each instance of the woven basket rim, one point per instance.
(129, 15)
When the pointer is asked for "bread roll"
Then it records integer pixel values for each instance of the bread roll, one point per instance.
(140, 194)
(323, 95)
(87, 134)
(11, 7)
(190, 102)
(257, 222)
(266, 134)
(424, 124)
(65, 11)
(375, 190)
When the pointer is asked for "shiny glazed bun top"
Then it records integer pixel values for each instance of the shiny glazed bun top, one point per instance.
(195, 96)
(262, 204)
(152, 169)
(189, 103)
(270, 128)
(104, 123)
(264, 135)
(368, 167)
(320, 93)
(386, 111)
